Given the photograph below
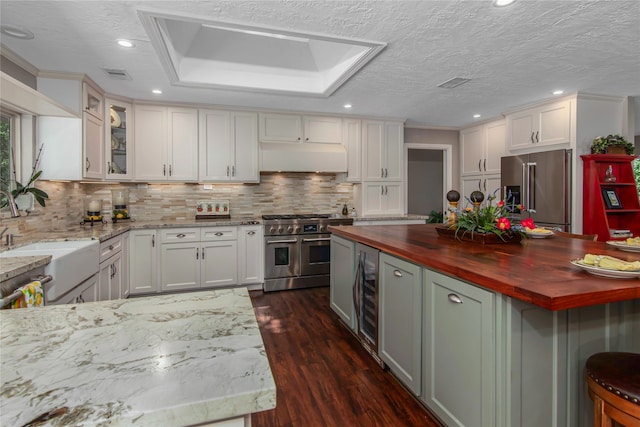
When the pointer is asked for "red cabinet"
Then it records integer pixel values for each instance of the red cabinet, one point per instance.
(609, 205)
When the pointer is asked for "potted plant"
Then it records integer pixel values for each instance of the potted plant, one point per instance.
(611, 144)
(28, 191)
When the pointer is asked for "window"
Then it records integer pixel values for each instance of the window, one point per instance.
(8, 145)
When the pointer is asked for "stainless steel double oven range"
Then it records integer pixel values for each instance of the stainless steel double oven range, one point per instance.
(298, 250)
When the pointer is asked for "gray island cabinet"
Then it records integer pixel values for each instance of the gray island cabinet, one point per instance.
(480, 344)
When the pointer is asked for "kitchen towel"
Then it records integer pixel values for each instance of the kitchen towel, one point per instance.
(32, 296)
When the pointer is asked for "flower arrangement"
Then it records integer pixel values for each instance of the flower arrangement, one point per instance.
(487, 218)
(601, 143)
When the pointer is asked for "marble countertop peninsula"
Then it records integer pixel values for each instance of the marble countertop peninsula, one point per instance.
(169, 360)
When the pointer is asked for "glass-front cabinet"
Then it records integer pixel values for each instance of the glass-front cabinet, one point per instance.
(119, 140)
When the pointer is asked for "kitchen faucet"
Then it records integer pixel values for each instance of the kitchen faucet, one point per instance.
(12, 203)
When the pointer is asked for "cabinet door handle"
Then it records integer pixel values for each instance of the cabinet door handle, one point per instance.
(485, 185)
(479, 185)
(381, 172)
(454, 299)
(169, 170)
(479, 165)
(180, 236)
(153, 241)
(197, 253)
(202, 253)
(532, 140)
(233, 171)
(87, 164)
(386, 172)
(251, 233)
(484, 164)
(109, 167)
(219, 233)
(227, 170)
(164, 170)
(382, 190)
(397, 273)
(537, 136)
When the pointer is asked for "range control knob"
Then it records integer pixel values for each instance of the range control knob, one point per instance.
(272, 230)
(289, 229)
(297, 230)
(323, 228)
(280, 230)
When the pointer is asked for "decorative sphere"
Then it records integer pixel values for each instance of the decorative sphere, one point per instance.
(477, 197)
(453, 196)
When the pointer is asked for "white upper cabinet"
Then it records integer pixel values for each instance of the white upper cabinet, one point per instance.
(549, 124)
(118, 140)
(228, 146)
(351, 131)
(482, 147)
(297, 128)
(382, 151)
(73, 147)
(166, 143)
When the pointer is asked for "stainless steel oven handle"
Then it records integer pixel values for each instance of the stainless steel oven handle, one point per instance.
(319, 239)
(275, 242)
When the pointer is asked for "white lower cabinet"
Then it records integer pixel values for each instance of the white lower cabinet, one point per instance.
(250, 254)
(143, 261)
(111, 273)
(401, 319)
(459, 351)
(87, 291)
(204, 257)
(343, 263)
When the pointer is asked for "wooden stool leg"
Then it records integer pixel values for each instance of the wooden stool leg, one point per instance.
(600, 417)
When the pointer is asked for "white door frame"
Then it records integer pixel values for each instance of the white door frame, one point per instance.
(447, 167)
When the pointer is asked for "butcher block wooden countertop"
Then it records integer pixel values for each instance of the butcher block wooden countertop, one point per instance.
(537, 271)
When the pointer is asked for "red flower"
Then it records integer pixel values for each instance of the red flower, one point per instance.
(528, 223)
(501, 203)
(504, 223)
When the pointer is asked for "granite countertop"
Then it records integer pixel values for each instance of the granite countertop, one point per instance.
(101, 232)
(170, 360)
(392, 218)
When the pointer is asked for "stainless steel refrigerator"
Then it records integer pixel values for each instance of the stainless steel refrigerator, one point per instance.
(542, 183)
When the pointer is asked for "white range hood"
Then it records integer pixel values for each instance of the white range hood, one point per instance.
(302, 157)
(19, 97)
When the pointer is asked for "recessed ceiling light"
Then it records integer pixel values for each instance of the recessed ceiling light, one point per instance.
(502, 3)
(157, 91)
(348, 105)
(476, 116)
(125, 43)
(16, 32)
(558, 92)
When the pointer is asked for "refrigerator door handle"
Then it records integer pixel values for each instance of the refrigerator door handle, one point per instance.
(525, 187)
(531, 177)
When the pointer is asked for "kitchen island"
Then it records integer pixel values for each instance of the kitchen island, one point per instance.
(503, 330)
(170, 360)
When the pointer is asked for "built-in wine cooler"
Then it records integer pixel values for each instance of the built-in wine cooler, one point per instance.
(365, 297)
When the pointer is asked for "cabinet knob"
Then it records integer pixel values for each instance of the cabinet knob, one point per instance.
(454, 299)
(251, 233)
(397, 273)
(110, 247)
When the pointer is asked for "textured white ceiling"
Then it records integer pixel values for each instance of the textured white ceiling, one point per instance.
(514, 55)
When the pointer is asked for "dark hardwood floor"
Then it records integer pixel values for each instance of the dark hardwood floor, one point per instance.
(323, 376)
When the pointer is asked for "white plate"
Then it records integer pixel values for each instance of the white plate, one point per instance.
(114, 143)
(535, 235)
(603, 272)
(623, 246)
(115, 118)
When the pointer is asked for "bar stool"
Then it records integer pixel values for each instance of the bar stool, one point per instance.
(614, 386)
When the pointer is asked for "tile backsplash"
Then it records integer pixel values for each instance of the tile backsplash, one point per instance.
(276, 193)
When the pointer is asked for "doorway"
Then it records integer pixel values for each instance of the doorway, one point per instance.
(428, 175)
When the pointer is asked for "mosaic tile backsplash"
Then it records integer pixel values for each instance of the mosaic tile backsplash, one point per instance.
(276, 193)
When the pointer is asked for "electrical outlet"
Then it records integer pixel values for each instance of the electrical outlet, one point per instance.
(208, 186)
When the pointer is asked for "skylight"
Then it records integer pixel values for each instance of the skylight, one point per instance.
(205, 53)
